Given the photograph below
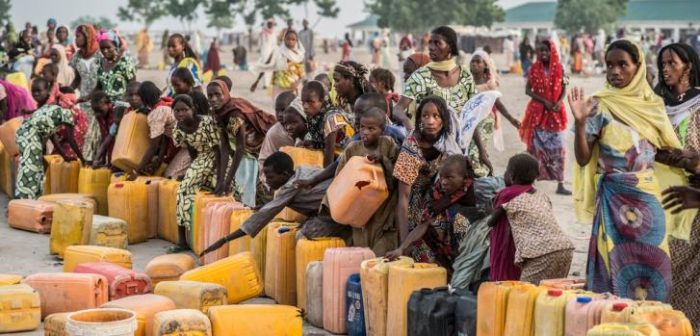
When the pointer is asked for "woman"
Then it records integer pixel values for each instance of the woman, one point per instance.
(63, 39)
(197, 132)
(679, 66)
(287, 64)
(618, 135)
(543, 127)
(421, 155)
(14, 101)
(115, 71)
(86, 61)
(413, 63)
(32, 137)
(143, 46)
(66, 74)
(183, 57)
(346, 48)
(213, 59)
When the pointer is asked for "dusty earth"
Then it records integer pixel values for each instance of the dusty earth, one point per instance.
(27, 253)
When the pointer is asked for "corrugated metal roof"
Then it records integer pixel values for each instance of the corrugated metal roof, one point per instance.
(637, 10)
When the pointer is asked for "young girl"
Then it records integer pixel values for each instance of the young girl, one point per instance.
(197, 132)
(50, 73)
(32, 136)
(181, 81)
(287, 62)
(68, 100)
(294, 120)
(382, 81)
(117, 112)
(183, 57)
(527, 243)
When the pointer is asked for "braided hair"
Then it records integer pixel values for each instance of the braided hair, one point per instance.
(355, 71)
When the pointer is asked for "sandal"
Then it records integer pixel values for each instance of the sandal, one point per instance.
(177, 249)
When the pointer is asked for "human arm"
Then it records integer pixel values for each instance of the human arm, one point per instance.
(325, 174)
(415, 235)
(73, 145)
(153, 148)
(237, 156)
(528, 91)
(219, 243)
(223, 157)
(329, 149)
(483, 153)
(557, 105)
(402, 210)
(399, 113)
(504, 112)
(581, 109)
(495, 216)
(102, 152)
(681, 198)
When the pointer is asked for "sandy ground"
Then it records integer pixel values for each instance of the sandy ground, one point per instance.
(27, 253)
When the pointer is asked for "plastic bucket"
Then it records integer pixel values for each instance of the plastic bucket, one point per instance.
(102, 322)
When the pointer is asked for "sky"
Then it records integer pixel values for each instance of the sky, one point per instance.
(38, 12)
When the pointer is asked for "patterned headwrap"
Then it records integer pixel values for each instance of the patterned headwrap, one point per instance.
(110, 35)
(298, 106)
(357, 72)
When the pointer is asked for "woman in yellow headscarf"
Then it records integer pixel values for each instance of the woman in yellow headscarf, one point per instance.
(617, 182)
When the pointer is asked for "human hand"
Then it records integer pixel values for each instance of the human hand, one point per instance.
(580, 106)
(304, 183)
(484, 158)
(681, 198)
(254, 86)
(213, 247)
(556, 106)
(394, 254)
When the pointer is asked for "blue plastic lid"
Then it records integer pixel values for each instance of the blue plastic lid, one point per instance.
(283, 229)
(584, 299)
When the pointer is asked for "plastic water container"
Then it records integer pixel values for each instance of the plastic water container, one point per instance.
(102, 322)
(357, 192)
(355, 322)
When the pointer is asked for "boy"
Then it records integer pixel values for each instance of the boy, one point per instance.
(275, 139)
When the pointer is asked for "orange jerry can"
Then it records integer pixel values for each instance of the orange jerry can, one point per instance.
(181, 322)
(280, 268)
(256, 319)
(167, 203)
(132, 141)
(358, 190)
(169, 267)
(374, 276)
(218, 226)
(338, 265)
(30, 215)
(20, 308)
(79, 254)
(145, 307)
(7, 172)
(122, 281)
(152, 188)
(308, 251)
(95, 182)
(196, 234)
(8, 135)
(237, 273)
(238, 216)
(62, 177)
(492, 301)
(129, 201)
(404, 280)
(68, 292)
(668, 322)
(304, 157)
(71, 225)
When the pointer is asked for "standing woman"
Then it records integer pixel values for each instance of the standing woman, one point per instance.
(116, 70)
(62, 36)
(86, 61)
(618, 184)
(66, 74)
(32, 137)
(213, 59)
(543, 127)
(679, 67)
(183, 57)
(197, 132)
(287, 64)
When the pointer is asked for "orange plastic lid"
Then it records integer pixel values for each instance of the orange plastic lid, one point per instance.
(555, 292)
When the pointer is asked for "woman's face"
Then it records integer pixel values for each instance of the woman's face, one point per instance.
(62, 34)
(182, 112)
(342, 85)
(409, 67)
(477, 65)
(109, 50)
(431, 121)
(438, 48)
(40, 93)
(621, 68)
(216, 97)
(175, 47)
(543, 52)
(80, 39)
(179, 86)
(290, 40)
(673, 69)
(294, 124)
(55, 57)
(312, 103)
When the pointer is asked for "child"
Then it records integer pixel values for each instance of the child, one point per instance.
(294, 120)
(281, 177)
(197, 132)
(183, 57)
(371, 100)
(43, 124)
(275, 139)
(68, 100)
(50, 74)
(527, 243)
(117, 112)
(444, 221)
(181, 81)
(382, 81)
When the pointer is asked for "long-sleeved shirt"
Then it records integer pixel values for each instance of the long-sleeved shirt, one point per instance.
(304, 201)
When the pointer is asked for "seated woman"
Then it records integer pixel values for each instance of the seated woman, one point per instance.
(31, 139)
(527, 243)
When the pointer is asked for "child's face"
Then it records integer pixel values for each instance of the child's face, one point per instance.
(55, 57)
(294, 124)
(179, 86)
(47, 74)
(40, 93)
(451, 179)
(274, 179)
(102, 107)
(175, 47)
(290, 41)
(370, 130)
(133, 98)
(183, 113)
(312, 103)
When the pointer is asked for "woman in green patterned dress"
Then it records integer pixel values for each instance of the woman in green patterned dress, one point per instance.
(32, 136)
(116, 70)
(199, 133)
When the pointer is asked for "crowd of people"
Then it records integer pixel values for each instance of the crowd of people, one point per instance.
(445, 205)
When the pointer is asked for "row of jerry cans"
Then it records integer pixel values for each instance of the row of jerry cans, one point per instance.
(519, 308)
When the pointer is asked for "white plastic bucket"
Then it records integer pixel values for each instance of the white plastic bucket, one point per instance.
(102, 322)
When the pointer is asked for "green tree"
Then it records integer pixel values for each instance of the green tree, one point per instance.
(421, 15)
(87, 19)
(145, 11)
(588, 15)
(219, 15)
(327, 8)
(184, 10)
(5, 6)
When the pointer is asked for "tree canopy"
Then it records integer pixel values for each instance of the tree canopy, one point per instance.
(87, 19)
(5, 6)
(145, 11)
(588, 15)
(421, 15)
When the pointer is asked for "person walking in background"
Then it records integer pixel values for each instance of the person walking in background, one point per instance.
(526, 55)
(213, 59)
(184, 57)
(347, 48)
(143, 46)
(508, 52)
(240, 57)
(268, 41)
(287, 65)
(306, 38)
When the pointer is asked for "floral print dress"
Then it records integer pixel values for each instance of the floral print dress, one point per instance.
(87, 70)
(114, 81)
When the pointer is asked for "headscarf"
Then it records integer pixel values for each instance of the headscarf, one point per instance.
(280, 57)
(406, 40)
(419, 59)
(492, 80)
(68, 41)
(258, 119)
(492, 74)
(66, 74)
(298, 106)
(227, 105)
(213, 59)
(18, 100)
(51, 21)
(110, 35)
(358, 75)
(639, 108)
(90, 40)
(547, 84)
